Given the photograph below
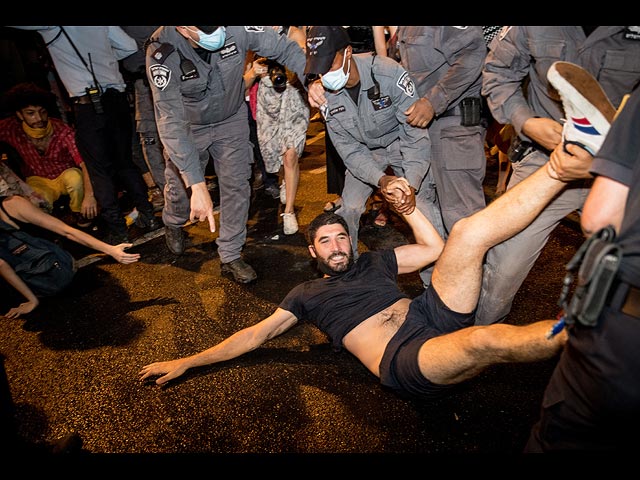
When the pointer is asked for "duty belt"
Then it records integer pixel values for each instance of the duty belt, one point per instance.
(470, 110)
(519, 148)
(83, 99)
(453, 111)
(625, 298)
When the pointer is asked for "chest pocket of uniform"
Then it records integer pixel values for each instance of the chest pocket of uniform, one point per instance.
(619, 74)
(416, 62)
(545, 54)
(383, 122)
(229, 66)
(342, 120)
(194, 89)
(507, 55)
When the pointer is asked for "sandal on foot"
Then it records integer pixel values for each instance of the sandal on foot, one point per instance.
(331, 207)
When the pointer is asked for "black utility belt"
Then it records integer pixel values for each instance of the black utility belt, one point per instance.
(520, 148)
(95, 97)
(93, 93)
(82, 99)
(470, 109)
(452, 112)
(625, 298)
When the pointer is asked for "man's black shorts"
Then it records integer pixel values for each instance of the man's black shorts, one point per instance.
(428, 317)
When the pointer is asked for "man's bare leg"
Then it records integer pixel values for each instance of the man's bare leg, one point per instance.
(461, 355)
(457, 275)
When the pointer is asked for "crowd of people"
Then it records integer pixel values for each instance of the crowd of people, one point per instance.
(406, 111)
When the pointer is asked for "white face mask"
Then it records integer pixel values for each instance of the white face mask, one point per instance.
(337, 79)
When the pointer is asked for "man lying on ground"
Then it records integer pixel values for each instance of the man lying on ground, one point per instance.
(419, 347)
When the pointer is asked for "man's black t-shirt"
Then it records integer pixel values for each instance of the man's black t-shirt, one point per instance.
(339, 303)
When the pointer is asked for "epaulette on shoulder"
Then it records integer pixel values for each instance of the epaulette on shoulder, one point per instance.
(161, 53)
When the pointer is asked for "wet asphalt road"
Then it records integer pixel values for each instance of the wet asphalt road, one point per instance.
(74, 366)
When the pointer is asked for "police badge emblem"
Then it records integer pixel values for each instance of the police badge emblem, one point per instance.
(406, 84)
(160, 76)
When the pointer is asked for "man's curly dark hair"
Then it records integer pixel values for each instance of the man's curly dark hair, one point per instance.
(24, 94)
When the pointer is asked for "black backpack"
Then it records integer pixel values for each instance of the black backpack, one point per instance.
(44, 266)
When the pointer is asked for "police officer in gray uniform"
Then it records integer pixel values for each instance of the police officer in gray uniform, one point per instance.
(368, 128)
(196, 77)
(144, 113)
(612, 55)
(446, 65)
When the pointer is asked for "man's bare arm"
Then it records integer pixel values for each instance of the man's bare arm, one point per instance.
(426, 250)
(237, 344)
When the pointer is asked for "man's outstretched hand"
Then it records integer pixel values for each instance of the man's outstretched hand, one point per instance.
(398, 193)
(165, 370)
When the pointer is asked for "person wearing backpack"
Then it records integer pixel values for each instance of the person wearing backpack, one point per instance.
(37, 267)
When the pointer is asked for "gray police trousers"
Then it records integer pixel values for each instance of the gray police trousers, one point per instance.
(227, 144)
(508, 263)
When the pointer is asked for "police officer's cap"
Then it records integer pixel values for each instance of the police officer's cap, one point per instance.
(322, 45)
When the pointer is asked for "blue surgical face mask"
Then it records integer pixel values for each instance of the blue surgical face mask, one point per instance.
(337, 79)
(212, 41)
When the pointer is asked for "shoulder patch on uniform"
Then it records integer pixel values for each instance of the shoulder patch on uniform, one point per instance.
(405, 83)
(632, 33)
(160, 76)
(504, 31)
(162, 52)
(254, 29)
(335, 110)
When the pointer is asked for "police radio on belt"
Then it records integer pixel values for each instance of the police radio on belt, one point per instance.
(94, 95)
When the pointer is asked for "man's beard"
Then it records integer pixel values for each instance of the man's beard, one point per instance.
(326, 269)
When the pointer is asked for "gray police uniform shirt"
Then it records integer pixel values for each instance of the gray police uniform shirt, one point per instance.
(445, 62)
(376, 123)
(611, 54)
(210, 93)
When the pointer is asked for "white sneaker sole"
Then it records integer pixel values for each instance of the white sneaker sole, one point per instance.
(588, 119)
